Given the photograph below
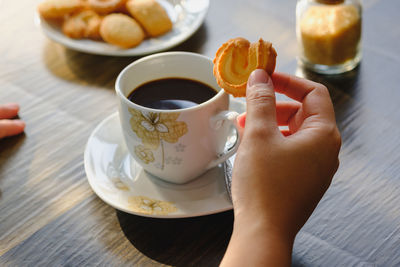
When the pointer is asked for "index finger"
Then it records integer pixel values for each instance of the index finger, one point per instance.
(11, 127)
(292, 86)
(314, 96)
(8, 111)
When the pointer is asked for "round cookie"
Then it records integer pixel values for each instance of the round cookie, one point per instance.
(121, 30)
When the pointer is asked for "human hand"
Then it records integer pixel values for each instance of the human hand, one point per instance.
(279, 177)
(9, 127)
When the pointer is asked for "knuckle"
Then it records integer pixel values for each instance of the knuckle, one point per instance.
(258, 131)
(261, 95)
(322, 89)
(261, 132)
(333, 134)
(336, 137)
(337, 164)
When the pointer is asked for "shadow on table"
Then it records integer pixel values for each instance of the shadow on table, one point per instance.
(100, 70)
(199, 241)
(346, 83)
(82, 68)
(344, 89)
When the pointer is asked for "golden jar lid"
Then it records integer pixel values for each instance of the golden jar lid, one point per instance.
(330, 2)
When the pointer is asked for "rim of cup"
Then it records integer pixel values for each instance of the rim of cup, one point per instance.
(220, 91)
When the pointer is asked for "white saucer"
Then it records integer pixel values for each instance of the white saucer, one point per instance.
(122, 183)
(186, 15)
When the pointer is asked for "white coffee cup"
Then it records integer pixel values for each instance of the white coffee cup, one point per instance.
(176, 145)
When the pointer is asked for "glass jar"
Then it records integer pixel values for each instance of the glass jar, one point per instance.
(329, 35)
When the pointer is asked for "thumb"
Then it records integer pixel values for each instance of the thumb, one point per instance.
(261, 103)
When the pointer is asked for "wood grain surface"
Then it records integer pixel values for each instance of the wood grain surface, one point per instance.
(49, 216)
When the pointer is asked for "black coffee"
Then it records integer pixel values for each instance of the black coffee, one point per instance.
(171, 93)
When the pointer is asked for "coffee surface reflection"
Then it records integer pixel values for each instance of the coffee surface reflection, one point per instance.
(171, 94)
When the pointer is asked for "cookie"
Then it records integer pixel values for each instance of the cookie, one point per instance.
(106, 6)
(84, 24)
(121, 30)
(151, 15)
(56, 9)
(237, 58)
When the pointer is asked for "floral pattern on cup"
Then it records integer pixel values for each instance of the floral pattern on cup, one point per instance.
(174, 160)
(180, 148)
(144, 153)
(154, 129)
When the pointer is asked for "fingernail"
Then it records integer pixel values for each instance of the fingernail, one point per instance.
(258, 76)
(241, 119)
(11, 106)
(19, 123)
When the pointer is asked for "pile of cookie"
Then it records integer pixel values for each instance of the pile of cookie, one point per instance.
(124, 23)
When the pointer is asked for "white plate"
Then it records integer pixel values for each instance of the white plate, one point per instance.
(186, 15)
(120, 182)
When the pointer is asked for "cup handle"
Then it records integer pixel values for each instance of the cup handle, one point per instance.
(225, 120)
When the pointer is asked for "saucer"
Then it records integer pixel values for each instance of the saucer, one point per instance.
(123, 184)
(186, 15)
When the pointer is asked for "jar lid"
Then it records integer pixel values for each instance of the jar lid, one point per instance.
(330, 2)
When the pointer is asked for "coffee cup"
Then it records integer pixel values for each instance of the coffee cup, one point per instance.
(173, 126)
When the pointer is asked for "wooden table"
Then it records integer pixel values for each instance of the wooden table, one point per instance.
(49, 216)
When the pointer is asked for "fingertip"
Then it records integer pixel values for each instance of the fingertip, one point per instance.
(11, 127)
(12, 105)
(20, 124)
(241, 120)
(258, 76)
(9, 110)
(261, 102)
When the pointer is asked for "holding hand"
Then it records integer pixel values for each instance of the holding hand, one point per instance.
(279, 177)
(9, 127)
